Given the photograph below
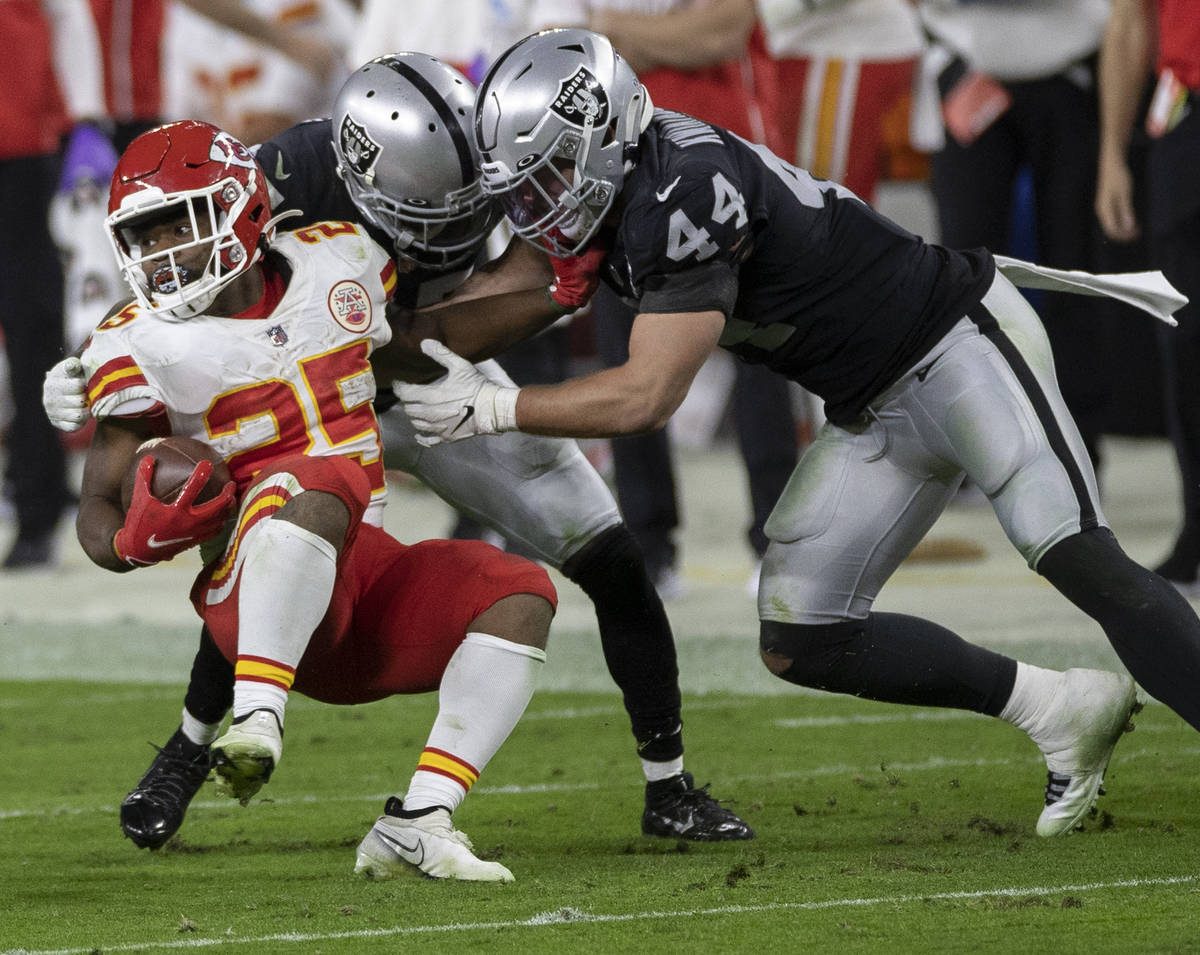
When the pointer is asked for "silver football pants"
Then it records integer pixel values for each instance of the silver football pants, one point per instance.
(983, 403)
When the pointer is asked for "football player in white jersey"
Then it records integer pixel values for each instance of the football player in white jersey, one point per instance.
(259, 345)
(397, 158)
(931, 364)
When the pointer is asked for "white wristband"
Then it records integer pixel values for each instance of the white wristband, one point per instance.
(504, 404)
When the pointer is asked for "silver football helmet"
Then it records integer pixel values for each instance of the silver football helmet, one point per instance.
(556, 122)
(401, 132)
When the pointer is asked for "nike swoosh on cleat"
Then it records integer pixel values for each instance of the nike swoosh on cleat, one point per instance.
(279, 173)
(155, 542)
(400, 846)
(467, 414)
(683, 825)
(662, 196)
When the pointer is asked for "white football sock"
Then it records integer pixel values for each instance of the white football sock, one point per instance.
(484, 691)
(199, 733)
(287, 581)
(656, 771)
(1032, 697)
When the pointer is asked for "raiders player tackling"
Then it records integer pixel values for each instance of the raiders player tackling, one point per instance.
(931, 364)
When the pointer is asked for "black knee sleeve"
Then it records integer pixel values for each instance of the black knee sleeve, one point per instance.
(894, 658)
(210, 689)
(635, 635)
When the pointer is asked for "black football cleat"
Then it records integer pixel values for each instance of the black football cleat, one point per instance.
(154, 811)
(676, 809)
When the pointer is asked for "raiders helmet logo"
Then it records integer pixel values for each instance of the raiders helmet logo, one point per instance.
(580, 98)
(358, 147)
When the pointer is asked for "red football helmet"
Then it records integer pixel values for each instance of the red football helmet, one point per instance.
(188, 170)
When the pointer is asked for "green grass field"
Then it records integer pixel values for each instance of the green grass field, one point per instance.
(879, 828)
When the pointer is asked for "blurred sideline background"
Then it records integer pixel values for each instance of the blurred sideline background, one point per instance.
(71, 620)
(80, 622)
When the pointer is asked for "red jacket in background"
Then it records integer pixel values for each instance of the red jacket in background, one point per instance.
(724, 94)
(1179, 40)
(33, 115)
(131, 34)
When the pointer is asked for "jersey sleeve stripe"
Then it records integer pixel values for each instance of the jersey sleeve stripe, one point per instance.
(388, 278)
(113, 376)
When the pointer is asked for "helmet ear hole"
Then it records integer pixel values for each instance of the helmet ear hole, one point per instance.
(610, 133)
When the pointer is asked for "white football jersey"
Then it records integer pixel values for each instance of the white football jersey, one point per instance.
(296, 382)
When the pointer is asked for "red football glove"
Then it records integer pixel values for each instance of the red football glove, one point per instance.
(155, 531)
(576, 277)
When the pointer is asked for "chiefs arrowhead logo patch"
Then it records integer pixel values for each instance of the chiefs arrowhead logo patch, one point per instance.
(350, 306)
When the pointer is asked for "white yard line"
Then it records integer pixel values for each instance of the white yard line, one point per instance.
(569, 916)
(838, 769)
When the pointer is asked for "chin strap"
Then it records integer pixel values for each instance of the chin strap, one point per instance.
(275, 220)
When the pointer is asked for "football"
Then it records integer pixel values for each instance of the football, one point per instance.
(174, 460)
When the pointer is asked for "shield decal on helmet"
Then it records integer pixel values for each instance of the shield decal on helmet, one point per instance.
(358, 147)
(580, 98)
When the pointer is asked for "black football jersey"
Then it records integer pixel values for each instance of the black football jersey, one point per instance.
(301, 170)
(813, 282)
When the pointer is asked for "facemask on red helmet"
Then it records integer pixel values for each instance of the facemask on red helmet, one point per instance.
(209, 187)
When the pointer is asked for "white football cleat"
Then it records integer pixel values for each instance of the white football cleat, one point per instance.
(245, 757)
(429, 843)
(1090, 711)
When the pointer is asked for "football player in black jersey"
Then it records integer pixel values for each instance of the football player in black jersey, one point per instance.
(398, 158)
(931, 364)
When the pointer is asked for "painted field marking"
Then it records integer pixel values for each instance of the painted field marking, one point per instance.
(568, 916)
(95, 699)
(516, 789)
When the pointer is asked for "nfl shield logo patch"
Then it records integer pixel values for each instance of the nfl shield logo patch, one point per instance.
(277, 335)
(581, 97)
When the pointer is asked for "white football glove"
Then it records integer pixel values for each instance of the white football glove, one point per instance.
(458, 405)
(64, 395)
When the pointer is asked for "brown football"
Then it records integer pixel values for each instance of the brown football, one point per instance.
(175, 458)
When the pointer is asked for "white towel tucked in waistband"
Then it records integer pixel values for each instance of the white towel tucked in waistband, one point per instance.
(1149, 291)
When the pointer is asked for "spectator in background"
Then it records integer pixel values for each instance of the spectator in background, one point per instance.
(51, 77)
(467, 34)
(132, 40)
(1163, 37)
(695, 58)
(257, 73)
(1017, 85)
(845, 73)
